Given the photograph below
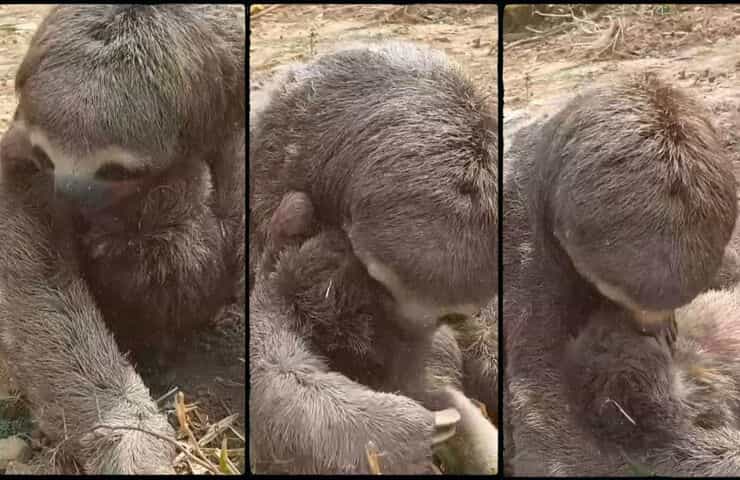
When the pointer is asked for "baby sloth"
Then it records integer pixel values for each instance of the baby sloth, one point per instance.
(675, 415)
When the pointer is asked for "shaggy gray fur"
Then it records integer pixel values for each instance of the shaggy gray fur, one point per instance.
(638, 175)
(165, 83)
(396, 152)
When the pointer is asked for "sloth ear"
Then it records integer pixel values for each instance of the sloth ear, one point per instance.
(15, 146)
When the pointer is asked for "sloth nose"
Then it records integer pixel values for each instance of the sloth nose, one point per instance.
(83, 192)
(91, 195)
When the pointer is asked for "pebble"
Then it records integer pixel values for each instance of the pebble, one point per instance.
(13, 449)
(19, 468)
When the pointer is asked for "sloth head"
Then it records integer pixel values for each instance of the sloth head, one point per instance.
(642, 196)
(110, 96)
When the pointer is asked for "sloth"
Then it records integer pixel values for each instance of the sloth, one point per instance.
(294, 222)
(366, 187)
(667, 414)
(122, 185)
(620, 205)
(401, 156)
(356, 383)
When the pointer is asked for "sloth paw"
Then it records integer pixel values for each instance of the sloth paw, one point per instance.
(664, 332)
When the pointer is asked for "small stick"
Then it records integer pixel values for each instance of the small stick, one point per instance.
(549, 33)
(172, 391)
(268, 9)
(183, 420)
(213, 431)
(609, 400)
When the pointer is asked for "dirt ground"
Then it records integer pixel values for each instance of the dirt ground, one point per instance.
(17, 24)
(295, 33)
(696, 47)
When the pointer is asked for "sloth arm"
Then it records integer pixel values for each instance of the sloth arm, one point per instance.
(64, 358)
(305, 418)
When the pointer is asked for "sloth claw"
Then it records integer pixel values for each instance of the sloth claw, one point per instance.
(665, 333)
(445, 423)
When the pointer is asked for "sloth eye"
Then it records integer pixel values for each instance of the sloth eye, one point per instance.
(41, 159)
(114, 172)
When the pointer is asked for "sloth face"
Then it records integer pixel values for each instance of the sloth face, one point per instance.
(107, 187)
(91, 182)
(647, 316)
(417, 313)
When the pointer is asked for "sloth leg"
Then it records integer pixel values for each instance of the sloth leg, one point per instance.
(305, 418)
(83, 392)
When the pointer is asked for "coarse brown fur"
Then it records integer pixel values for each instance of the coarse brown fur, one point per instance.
(476, 336)
(478, 341)
(664, 185)
(166, 84)
(635, 177)
(188, 220)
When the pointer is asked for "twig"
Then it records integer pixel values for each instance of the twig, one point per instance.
(237, 452)
(183, 420)
(609, 400)
(172, 391)
(236, 433)
(217, 428)
(268, 9)
(534, 30)
(549, 33)
(585, 18)
(213, 431)
(557, 15)
(177, 444)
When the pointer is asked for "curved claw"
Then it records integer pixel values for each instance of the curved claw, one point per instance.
(671, 333)
(662, 328)
(445, 424)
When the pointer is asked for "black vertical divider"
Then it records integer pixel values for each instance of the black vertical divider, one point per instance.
(500, 243)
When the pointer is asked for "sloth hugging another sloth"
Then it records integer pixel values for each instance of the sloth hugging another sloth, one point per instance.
(619, 210)
(122, 206)
(373, 265)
